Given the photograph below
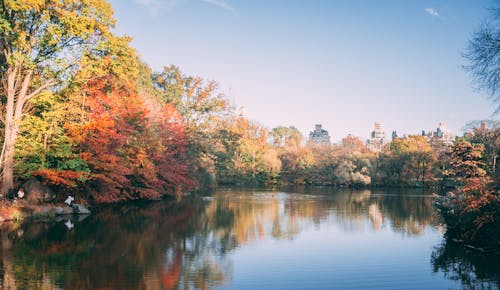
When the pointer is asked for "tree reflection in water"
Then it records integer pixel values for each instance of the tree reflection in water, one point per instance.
(472, 268)
(152, 246)
(188, 244)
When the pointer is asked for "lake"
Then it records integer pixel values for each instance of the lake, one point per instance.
(247, 239)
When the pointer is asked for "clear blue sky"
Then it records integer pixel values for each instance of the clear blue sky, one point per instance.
(344, 64)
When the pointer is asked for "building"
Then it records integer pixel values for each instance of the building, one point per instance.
(377, 139)
(394, 135)
(319, 136)
(441, 134)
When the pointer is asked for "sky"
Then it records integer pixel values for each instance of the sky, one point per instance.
(343, 64)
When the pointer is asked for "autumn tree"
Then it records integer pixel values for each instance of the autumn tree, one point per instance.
(131, 154)
(41, 45)
(352, 144)
(295, 158)
(416, 158)
(472, 212)
(44, 147)
(202, 108)
(465, 161)
(197, 100)
(245, 155)
(487, 133)
(283, 137)
(349, 174)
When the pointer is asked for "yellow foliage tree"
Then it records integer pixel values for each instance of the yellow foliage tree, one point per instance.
(42, 44)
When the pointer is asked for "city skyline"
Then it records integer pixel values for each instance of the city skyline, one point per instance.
(386, 132)
(344, 65)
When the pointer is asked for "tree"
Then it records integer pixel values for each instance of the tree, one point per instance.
(44, 148)
(202, 109)
(487, 134)
(245, 156)
(417, 156)
(286, 136)
(352, 144)
(347, 173)
(465, 161)
(41, 44)
(131, 154)
(472, 212)
(483, 54)
(196, 99)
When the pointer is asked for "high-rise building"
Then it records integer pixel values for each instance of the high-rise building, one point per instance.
(377, 139)
(441, 134)
(319, 136)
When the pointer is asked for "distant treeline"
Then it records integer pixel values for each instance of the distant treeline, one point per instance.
(414, 161)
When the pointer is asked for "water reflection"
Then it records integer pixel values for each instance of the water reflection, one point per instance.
(474, 270)
(153, 246)
(192, 244)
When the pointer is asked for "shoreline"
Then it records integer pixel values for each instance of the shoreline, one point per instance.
(22, 211)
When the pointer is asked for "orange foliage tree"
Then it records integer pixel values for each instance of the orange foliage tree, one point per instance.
(132, 154)
(471, 213)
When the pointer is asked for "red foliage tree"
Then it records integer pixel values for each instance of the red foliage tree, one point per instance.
(131, 154)
(472, 212)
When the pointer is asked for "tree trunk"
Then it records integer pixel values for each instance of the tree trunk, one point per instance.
(13, 115)
(8, 163)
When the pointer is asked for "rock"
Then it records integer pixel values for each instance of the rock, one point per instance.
(81, 217)
(42, 211)
(63, 210)
(37, 192)
(80, 209)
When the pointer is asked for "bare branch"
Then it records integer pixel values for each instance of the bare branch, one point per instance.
(41, 88)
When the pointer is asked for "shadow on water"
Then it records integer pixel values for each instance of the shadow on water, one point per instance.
(473, 269)
(190, 244)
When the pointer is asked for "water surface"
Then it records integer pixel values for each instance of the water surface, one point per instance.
(247, 239)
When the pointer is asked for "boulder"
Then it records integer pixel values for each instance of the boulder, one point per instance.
(42, 211)
(36, 192)
(63, 210)
(80, 209)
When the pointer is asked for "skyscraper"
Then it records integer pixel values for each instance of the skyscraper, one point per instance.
(319, 136)
(377, 140)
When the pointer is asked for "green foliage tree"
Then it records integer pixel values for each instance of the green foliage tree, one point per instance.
(283, 137)
(44, 145)
(42, 43)
(202, 109)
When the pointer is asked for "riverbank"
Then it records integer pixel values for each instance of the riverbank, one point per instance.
(18, 210)
(32, 206)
